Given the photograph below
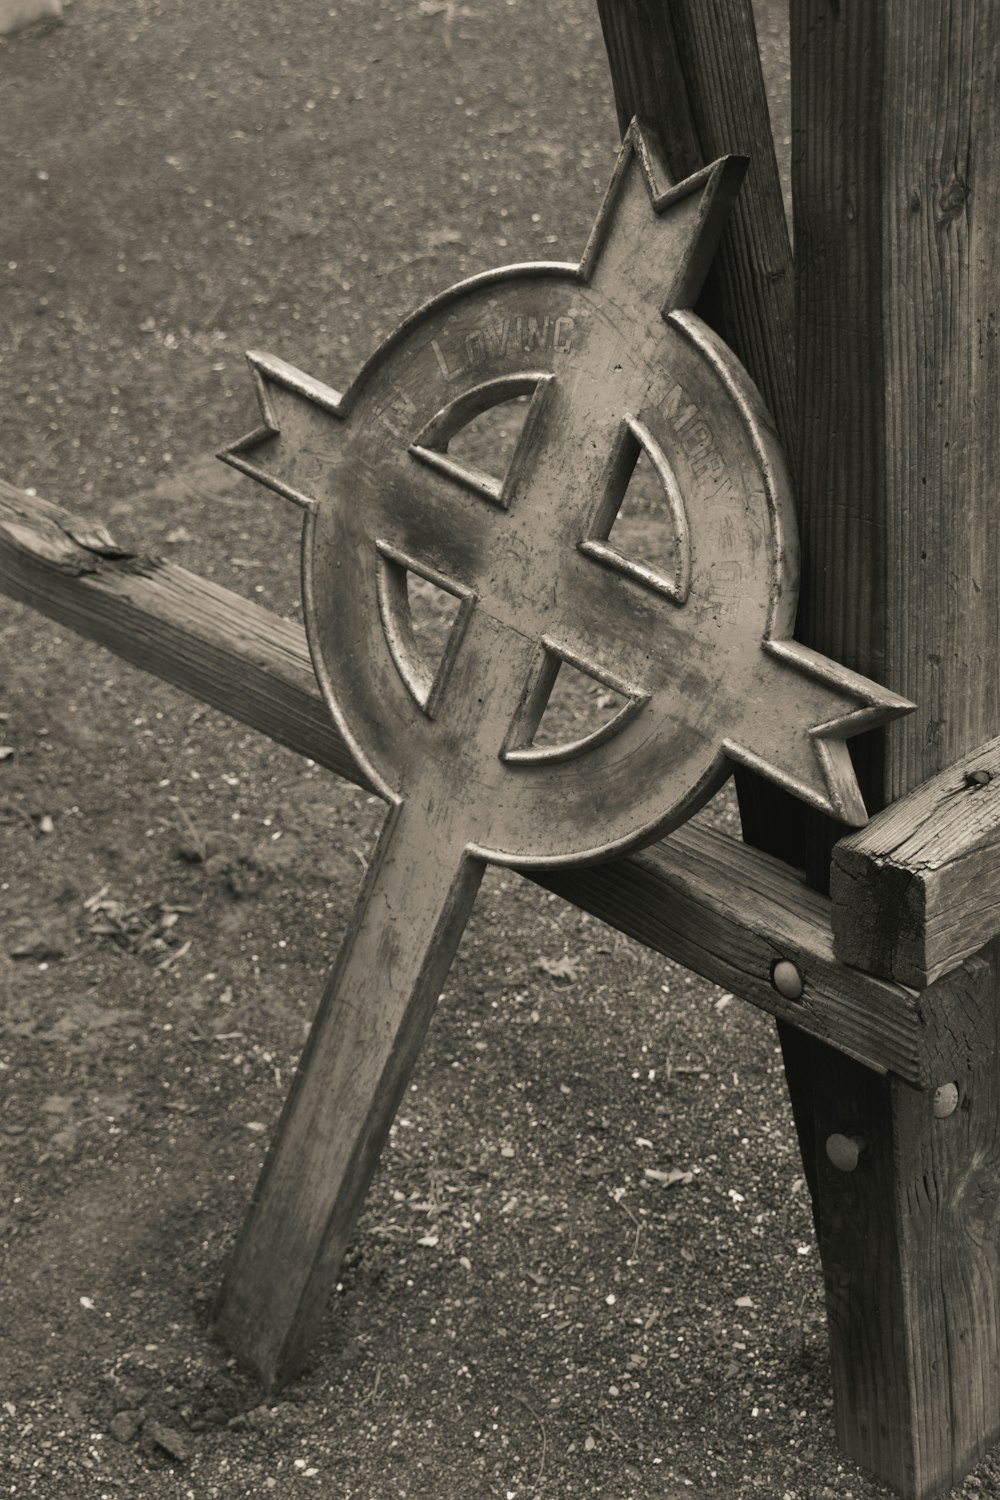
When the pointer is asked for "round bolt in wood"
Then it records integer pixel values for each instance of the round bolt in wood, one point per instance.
(980, 777)
(845, 1151)
(787, 980)
(945, 1100)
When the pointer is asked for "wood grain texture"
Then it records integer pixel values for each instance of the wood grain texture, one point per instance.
(908, 1246)
(895, 116)
(898, 270)
(885, 99)
(181, 627)
(941, 274)
(706, 900)
(840, 372)
(918, 890)
(730, 913)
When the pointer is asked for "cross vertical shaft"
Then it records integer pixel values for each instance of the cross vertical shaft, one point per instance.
(372, 1019)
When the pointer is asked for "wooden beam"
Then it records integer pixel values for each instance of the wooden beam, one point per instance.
(918, 890)
(908, 1245)
(713, 904)
(731, 914)
(896, 236)
(210, 642)
(896, 110)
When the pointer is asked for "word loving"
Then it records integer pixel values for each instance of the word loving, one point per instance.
(501, 336)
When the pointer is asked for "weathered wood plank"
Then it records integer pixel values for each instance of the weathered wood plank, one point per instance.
(908, 1245)
(894, 224)
(918, 890)
(896, 109)
(708, 901)
(210, 642)
(731, 913)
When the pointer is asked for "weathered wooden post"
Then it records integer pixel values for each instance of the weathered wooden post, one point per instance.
(898, 288)
(897, 270)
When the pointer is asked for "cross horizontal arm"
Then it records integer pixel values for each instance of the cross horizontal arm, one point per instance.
(706, 900)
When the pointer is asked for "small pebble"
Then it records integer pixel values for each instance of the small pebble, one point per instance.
(168, 1438)
(125, 1425)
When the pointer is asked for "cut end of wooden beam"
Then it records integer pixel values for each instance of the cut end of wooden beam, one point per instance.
(918, 891)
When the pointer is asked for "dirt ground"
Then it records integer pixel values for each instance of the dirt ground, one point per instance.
(587, 1265)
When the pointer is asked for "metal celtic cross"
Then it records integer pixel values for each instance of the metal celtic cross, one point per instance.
(701, 654)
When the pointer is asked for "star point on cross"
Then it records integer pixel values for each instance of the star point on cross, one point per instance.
(656, 237)
(796, 733)
(260, 453)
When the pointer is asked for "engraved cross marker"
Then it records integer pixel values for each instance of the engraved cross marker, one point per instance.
(615, 364)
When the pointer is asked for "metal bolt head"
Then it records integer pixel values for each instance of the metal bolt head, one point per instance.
(980, 777)
(787, 980)
(845, 1151)
(945, 1100)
